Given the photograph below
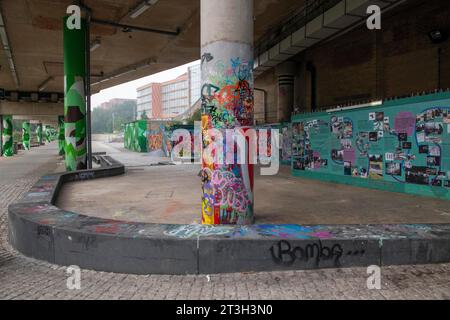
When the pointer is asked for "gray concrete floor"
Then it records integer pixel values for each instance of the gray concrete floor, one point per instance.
(27, 163)
(171, 194)
(129, 158)
(25, 278)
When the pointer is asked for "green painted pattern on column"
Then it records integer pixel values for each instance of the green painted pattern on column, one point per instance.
(26, 135)
(74, 100)
(135, 138)
(47, 134)
(61, 137)
(8, 148)
(142, 138)
(39, 133)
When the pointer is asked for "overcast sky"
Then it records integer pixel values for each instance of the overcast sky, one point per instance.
(128, 90)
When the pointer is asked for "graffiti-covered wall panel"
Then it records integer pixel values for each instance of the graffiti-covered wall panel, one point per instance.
(158, 136)
(135, 138)
(285, 141)
(401, 146)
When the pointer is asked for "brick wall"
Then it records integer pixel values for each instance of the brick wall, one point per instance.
(398, 60)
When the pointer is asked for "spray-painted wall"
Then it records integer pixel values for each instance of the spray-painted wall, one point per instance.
(285, 141)
(158, 137)
(402, 146)
(154, 137)
(135, 138)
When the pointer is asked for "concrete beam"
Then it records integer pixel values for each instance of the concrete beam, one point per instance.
(46, 120)
(31, 108)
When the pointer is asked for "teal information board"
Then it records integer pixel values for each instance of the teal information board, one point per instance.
(402, 146)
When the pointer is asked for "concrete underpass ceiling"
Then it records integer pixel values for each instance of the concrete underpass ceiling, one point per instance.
(34, 29)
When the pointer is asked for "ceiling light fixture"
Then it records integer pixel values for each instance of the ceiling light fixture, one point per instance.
(45, 84)
(141, 8)
(95, 44)
(438, 36)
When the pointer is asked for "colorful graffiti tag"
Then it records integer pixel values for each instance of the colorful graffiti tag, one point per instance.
(153, 136)
(228, 98)
(227, 102)
(197, 230)
(159, 138)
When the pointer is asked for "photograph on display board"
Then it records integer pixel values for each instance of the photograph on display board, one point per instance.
(417, 175)
(375, 166)
(402, 146)
(394, 168)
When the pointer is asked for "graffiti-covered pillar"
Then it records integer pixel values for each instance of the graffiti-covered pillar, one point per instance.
(74, 99)
(26, 135)
(227, 103)
(61, 136)
(39, 133)
(7, 136)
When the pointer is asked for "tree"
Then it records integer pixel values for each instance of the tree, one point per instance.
(102, 119)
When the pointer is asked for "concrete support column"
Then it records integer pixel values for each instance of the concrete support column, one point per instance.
(26, 135)
(227, 103)
(7, 136)
(75, 98)
(39, 133)
(286, 90)
(48, 133)
(1, 135)
(61, 137)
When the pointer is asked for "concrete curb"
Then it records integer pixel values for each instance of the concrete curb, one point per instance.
(39, 229)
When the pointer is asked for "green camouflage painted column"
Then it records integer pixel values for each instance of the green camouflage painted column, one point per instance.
(39, 133)
(74, 100)
(26, 135)
(61, 137)
(47, 134)
(7, 136)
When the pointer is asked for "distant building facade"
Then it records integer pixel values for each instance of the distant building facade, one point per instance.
(113, 102)
(169, 99)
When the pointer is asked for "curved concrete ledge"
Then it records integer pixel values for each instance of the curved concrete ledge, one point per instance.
(40, 230)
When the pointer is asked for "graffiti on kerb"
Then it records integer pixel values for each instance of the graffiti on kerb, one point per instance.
(292, 231)
(83, 176)
(197, 230)
(284, 253)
